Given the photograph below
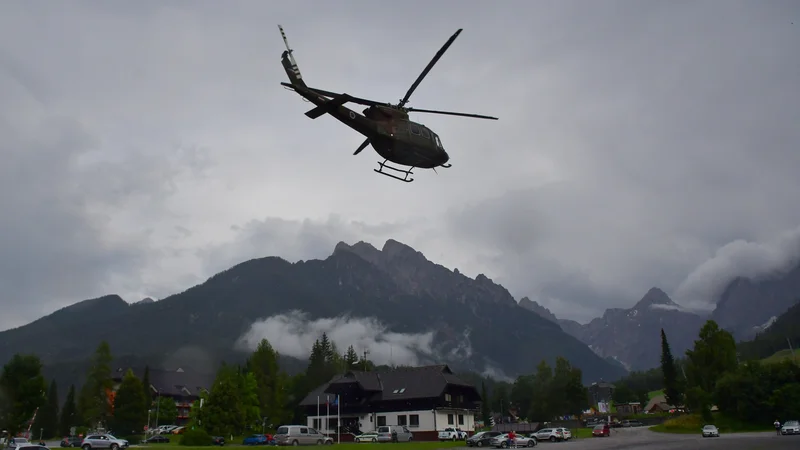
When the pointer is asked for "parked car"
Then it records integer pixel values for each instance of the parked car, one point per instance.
(95, 441)
(157, 439)
(631, 423)
(394, 433)
(15, 442)
(256, 439)
(71, 441)
(300, 435)
(602, 430)
(710, 431)
(371, 436)
(501, 441)
(549, 434)
(790, 427)
(452, 434)
(482, 438)
(178, 430)
(566, 434)
(218, 440)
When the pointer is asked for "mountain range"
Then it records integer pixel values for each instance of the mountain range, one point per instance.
(436, 314)
(631, 336)
(472, 324)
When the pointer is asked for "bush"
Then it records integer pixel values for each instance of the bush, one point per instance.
(195, 438)
(692, 423)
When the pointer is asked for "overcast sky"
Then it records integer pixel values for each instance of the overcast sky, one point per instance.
(145, 146)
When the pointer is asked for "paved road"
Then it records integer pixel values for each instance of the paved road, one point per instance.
(643, 438)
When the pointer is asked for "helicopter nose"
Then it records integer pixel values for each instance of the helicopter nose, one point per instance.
(444, 157)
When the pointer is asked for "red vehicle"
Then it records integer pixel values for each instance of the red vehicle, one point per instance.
(602, 430)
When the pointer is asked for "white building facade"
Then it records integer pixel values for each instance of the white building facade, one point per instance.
(426, 400)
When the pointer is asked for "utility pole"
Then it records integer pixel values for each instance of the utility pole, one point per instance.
(791, 349)
(366, 352)
(158, 404)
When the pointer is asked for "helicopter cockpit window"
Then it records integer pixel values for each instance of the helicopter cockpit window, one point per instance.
(425, 133)
(438, 142)
(414, 128)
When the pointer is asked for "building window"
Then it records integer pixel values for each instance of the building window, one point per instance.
(332, 423)
(461, 399)
(461, 419)
(448, 397)
(450, 419)
(381, 421)
(401, 420)
(317, 424)
(413, 420)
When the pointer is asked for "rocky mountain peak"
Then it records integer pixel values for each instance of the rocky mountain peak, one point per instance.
(654, 296)
(532, 305)
(415, 274)
(144, 301)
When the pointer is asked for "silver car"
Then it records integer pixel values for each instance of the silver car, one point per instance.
(710, 431)
(94, 441)
(300, 435)
(394, 433)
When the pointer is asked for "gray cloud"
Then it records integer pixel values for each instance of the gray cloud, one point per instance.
(146, 146)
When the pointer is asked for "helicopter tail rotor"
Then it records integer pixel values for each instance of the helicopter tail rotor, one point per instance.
(289, 64)
(361, 147)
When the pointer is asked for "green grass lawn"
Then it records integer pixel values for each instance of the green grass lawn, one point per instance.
(652, 394)
(782, 356)
(693, 423)
(580, 433)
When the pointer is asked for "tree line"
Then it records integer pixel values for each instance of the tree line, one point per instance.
(711, 374)
(544, 395)
(252, 396)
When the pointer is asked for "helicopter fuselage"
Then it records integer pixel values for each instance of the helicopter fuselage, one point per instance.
(391, 134)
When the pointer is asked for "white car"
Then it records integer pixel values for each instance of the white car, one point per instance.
(371, 436)
(452, 434)
(519, 441)
(710, 431)
(790, 427)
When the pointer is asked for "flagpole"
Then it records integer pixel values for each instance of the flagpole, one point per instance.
(318, 417)
(327, 414)
(338, 419)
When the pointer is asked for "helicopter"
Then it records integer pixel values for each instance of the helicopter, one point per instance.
(386, 126)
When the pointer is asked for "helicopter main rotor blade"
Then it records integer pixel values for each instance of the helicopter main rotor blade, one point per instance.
(430, 66)
(450, 113)
(361, 147)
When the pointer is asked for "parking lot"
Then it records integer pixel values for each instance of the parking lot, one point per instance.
(643, 438)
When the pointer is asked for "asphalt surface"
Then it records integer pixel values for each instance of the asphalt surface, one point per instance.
(642, 438)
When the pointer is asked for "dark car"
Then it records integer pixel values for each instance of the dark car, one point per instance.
(157, 439)
(71, 441)
(631, 423)
(218, 440)
(482, 439)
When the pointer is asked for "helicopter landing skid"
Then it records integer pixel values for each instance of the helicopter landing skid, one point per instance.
(446, 166)
(406, 172)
